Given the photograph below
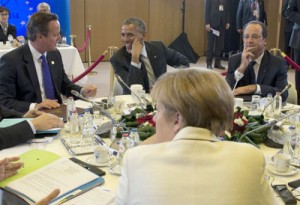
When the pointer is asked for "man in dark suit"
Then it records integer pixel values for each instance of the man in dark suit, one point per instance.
(255, 70)
(217, 18)
(141, 62)
(250, 10)
(293, 14)
(25, 82)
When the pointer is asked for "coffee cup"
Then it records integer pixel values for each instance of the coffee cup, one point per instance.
(238, 102)
(282, 162)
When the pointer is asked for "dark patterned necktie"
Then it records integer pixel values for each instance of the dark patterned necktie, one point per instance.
(48, 84)
(253, 5)
(251, 73)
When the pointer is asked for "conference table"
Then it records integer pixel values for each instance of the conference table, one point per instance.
(71, 60)
(54, 144)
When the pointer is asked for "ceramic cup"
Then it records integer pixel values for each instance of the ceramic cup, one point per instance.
(282, 162)
(238, 102)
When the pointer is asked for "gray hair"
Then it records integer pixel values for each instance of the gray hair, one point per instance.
(139, 23)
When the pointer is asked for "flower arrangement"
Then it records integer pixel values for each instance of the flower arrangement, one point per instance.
(244, 123)
(142, 120)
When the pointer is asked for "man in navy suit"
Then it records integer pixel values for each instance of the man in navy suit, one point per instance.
(141, 62)
(22, 80)
(255, 70)
(217, 18)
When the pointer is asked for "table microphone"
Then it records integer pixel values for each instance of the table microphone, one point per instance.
(102, 110)
(137, 96)
(288, 86)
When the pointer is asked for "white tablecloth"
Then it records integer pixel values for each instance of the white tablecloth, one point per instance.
(71, 59)
(111, 181)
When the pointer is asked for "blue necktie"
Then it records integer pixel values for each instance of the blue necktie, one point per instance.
(48, 84)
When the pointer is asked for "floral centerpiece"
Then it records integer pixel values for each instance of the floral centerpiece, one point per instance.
(142, 120)
(244, 123)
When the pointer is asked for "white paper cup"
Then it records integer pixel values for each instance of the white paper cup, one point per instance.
(282, 162)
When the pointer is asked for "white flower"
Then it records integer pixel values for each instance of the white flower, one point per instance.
(238, 122)
(228, 134)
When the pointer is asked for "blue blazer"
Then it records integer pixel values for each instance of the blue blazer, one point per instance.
(272, 74)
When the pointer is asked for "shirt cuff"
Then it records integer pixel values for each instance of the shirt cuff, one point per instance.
(258, 90)
(32, 126)
(138, 65)
(32, 106)
(238, 75)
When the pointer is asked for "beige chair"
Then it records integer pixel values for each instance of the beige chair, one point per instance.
(292, 98)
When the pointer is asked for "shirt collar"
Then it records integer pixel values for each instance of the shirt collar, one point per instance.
(144, 52)
(36, 55)
(258, 60)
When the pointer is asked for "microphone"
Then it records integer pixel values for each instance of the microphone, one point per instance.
(136, 95)
(102, 110)
(276, 96)
(269, 124)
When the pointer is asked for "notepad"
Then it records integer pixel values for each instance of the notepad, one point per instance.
(12, 121)
(33, 183)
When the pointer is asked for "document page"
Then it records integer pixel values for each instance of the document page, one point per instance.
(97, 195)
(63, 174)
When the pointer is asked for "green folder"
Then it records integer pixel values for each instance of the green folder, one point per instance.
(33, 160)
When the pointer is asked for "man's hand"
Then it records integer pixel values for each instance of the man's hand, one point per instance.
(240, 31)
(136, 51)
(248, 89)
(48, 104)
(47, 121)
(89, 91)
(207, 27)
(247, 56)
(9, 167)
(48, 198)
(227, 26)
(33, 113)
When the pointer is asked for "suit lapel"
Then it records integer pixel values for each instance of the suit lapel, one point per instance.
(32, 72)
(264, 66)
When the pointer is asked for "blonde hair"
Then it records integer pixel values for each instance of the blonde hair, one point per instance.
(202, 97)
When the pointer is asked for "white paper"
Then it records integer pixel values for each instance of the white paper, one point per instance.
(63, 174)
(215, 32)
(94, 196)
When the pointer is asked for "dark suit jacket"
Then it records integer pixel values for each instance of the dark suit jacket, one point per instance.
(272, 74)
(213, 16)
(19, 85)
(159, 55)
(293, 14)
(16, 134)
(244, 13)
(10, 30)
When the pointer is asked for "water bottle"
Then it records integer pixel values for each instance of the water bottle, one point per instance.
(125, 143)
(295, 146)
(277, 106)
(287, 148)
(88, 131)
(134, 135)
(71, 108)
(269, 109)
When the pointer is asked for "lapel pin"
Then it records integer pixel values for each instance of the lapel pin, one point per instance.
(52, 62)
(154, 56)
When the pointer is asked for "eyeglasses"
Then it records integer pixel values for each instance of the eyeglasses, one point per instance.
(254, 36)
(4, 14)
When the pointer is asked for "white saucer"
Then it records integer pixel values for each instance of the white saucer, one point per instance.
(91, 160)
(272, 170)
